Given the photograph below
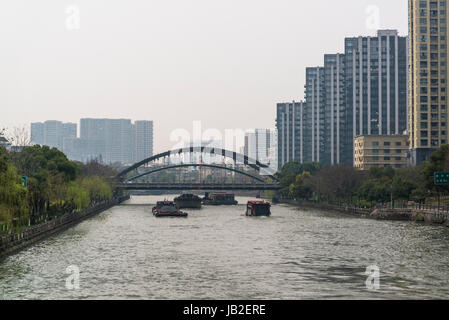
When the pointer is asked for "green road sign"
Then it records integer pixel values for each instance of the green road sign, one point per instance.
(25, 181)
(441, 178)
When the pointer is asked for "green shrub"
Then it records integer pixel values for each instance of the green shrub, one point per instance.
(420, 218)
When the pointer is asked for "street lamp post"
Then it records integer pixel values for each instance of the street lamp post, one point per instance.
(392, 201)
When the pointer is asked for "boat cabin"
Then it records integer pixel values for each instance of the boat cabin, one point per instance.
(258, 209)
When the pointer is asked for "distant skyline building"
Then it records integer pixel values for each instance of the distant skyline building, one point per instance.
(290, 131)
(52, 133)
(273, 152)
(76, 149)
(108, 140)
(69, 130)
(37, 133)
(120, 141)
(94, 132)
(258, 145)
(143, 140)
(204, 158)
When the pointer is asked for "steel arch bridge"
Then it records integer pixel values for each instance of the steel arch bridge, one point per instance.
(236, 157)
(126, 182)
(198, 187)
(187, 165)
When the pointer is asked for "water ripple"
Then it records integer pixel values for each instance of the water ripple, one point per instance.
(218, 253)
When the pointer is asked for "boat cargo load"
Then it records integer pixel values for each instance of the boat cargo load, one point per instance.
(220, 199)
(188, 201)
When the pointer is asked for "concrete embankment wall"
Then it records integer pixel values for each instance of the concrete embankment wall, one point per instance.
(417, 215)
(433, 217)
(329, 207)
(15, 242)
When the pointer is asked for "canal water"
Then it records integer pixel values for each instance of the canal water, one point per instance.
(218, 253)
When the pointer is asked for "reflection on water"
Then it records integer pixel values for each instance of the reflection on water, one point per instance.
(218, 253)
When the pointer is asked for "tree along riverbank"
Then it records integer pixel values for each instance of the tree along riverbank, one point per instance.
(14, 242)
(379, 187)
(38, 184)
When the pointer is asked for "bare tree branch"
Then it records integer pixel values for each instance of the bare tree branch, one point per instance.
(19, 136)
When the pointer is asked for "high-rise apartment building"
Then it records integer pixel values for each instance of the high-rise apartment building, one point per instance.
(290, 132)
(76, 149)
(69, 130)
(53, 134)
(273, 151)
(428, 25)
(117, 140)
(376, 74)
(335, 110)
(109, 140)
(94, 132)
(314, 116)
(37, 133)
(112, 140)
(361, 92)
(143, 140)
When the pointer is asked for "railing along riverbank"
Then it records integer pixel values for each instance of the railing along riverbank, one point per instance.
(423, 214)
(17, 241)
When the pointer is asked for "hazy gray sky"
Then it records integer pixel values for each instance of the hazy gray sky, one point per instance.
(224, 62)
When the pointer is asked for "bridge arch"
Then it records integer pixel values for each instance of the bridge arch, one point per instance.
(195, 165)
(236, 157)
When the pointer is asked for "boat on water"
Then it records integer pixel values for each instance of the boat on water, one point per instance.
(258, 209)
(168, 209)
(188, 201)
(220, 199)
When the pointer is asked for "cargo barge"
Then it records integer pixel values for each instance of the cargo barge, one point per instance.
(190, 201)
(168, 209)
(220, 199)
